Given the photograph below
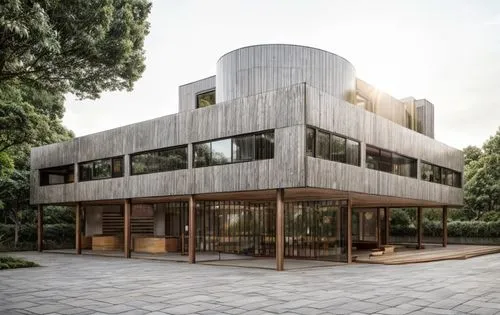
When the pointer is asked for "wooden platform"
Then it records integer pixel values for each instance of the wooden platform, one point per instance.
(431, 253)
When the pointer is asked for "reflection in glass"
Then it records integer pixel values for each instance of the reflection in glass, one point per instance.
(338, 149)
(310, 141)
(323, 145)
(205, 99)
(352, 152)
(221, 152)
(243, 148)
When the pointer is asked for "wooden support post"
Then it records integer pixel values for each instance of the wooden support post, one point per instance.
(349, 231)
(40, 228)
(445, 226)
(419, 228)
(280, 229)
(78, 228)
(126, 228)
(192, 230)
(377, 228)
(387, 225)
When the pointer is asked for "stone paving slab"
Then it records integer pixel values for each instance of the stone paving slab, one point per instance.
(70, 284)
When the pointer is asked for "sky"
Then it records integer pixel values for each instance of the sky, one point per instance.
(446, 51)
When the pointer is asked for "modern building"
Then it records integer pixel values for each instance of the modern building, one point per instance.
(283, 153)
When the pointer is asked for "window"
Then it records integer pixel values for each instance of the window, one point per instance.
(352, 152)
(390, 162)
(243, 148)
(57, 175)
(328, 146)
(323, 145)
(163, 160)
(310, 141)
(441, 175)
(205, 99)
(101, 169)
(338, 149)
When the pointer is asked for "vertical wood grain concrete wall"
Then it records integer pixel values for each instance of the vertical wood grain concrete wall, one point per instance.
(188, 92)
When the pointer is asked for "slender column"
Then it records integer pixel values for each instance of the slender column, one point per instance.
(419, 227)
(192, 230)
(387, 223)
(445, 226)
(377, 228)
(78, 228)
(40, 228)
(280, 229)
(126, 228)
(349, 231)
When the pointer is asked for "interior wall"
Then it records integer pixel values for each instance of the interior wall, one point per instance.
(159, 219)
(93, 220)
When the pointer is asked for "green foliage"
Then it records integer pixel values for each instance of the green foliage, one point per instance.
(7, 262)
(82, 47)
(60, 235)
(482, 178)
(490, 216)
(468, 229)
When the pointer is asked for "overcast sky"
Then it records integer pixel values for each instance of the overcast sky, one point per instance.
(445, 51)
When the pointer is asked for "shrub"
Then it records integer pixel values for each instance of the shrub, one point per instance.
(7, 262)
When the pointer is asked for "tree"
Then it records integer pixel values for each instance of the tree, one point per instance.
(482, 179)
(471, 153)
(82, 46)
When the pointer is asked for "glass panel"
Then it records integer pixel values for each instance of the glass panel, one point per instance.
(176, 159)
(264, 146)
(102, 169)
(426, 172)
(205, 99)
(117, 167)
(201, 154)
(404, 166)
(310, 142)
(323, 145)
(221, 152)
(372, 157)
(457, 179)
(352, 152)
(385, 164)
(338, 149)
(85, 171)
(243, 148)
(57, 175)
(447, 177)
(141, 163)
(436, 174)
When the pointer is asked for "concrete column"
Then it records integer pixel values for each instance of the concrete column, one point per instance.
(192, 230)
(349, 231)
(280, 229)
(419, 168)
(362, 154)
(445, 226)
(126, 165)
(126, 227)
(78, 228)
(419, 228)
(39, 222)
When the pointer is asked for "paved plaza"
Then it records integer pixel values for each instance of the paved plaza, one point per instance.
(70, 284)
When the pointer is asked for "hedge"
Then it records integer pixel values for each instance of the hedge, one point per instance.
(59, 235)
(455, 229)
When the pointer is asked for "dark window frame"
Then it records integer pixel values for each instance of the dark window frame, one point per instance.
(254, 136)
(165, 149)
(111, 159)
(392, 164)
(316, 130)
(454, 174)
(41, 181)
(205, 92)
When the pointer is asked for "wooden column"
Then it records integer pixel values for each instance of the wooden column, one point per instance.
(126, 228)
(192, 230)
(280, 229)
(39, 222)
(445, 226)
(349, 231)
(419, 228)
(377, 228)
(387, 223)
(78, 228)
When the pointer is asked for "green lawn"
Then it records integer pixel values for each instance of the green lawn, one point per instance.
(7, 262)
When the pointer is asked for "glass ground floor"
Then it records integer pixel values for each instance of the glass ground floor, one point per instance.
(305, 229)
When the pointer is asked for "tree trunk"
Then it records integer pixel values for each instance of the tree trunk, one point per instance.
(16, 233)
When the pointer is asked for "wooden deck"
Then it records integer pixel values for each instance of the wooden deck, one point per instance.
(404, 255)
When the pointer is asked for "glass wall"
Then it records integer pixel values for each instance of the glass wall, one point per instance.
(390, 162)
(101, 169)
(57, 175)
(440, 175)
(250, 147)
(364, 228)
(205, 99)
(328, 146)
(163, 160)
(314, 229)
